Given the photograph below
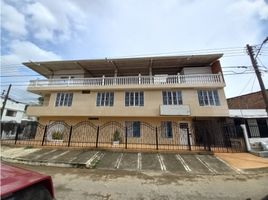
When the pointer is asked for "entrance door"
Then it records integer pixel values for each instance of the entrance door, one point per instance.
(263, 127)
(183, 140)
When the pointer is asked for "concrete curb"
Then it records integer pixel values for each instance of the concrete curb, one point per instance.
(43, 163)
(121, 150)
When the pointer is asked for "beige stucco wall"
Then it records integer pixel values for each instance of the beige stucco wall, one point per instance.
(154, 121)
(85, 105)
(86, 132)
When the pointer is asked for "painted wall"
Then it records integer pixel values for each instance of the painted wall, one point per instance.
(156, 121)
(19, 108)
(196, 70)
(85, 105)
(254, 140)
(87, 133)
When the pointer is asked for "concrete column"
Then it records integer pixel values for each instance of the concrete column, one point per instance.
(178, 78)
(243, 126)
(115, 76)
(151, 74)
(103, 77)
(69, 80)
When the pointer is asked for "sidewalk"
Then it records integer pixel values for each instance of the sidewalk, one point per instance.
(243, 160)
(178, 163)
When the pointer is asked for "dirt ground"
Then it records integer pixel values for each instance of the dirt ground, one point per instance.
(97, 184)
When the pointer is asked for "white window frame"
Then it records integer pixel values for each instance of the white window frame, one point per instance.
(64, 99)
(14, 113)
(178, 97)
(208, 98)
(134, 98)
(105, 99)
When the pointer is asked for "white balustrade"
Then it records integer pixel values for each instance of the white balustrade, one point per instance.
(131, 80)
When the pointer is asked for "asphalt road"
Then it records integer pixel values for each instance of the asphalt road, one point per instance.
(103, 184)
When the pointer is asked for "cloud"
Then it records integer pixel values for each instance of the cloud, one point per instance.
(253, 8)
(82, 29)
(42, 21)
(12, 20)
(21, 51)
(18, 52)
(54, 22)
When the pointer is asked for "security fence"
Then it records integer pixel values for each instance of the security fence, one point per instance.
(201, 136)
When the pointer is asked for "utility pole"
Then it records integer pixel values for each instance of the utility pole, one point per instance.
(4, 102)
(258, 74)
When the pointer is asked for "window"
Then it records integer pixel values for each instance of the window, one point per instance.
(105, 99)
(172, 97)
(208, 98)
(133, 129)
(11, 113)
(166, 129)
(134, 99)
(64, 99)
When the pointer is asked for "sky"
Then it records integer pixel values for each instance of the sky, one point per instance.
(42, 30)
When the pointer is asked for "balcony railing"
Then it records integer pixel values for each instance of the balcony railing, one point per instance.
(131, 80)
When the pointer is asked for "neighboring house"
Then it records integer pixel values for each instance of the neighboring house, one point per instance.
(14, 111)
(129, 91)
(249, 109)
(14, 117)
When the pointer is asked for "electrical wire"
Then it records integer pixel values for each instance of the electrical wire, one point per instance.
(253, 84)
(261, 63)
(32, 75)
(246, 85)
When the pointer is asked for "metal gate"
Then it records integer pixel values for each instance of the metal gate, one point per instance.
(83, 134)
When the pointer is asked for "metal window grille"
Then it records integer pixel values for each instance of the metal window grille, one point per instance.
(133, 128)
(166, 129)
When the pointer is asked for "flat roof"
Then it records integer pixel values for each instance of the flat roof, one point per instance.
(125, 66)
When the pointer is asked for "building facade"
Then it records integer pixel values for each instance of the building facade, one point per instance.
(158, 91)
(249, 109)
(247, 101)
(14, 111)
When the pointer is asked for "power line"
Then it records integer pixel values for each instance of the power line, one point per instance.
(227, 74)
(253, 84)
(32, 75)
(211, 50)
(246, 85)
(261, 63)
(224, 73)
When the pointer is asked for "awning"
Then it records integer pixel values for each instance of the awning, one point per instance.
(125, 66)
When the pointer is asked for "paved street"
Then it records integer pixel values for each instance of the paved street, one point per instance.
(106, 175)
(106, 160)
(99, 184)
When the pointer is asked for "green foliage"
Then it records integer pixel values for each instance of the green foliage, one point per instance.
(57, 135)
(40, 100)
(116, 136)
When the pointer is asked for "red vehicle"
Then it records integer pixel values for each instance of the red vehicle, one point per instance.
(18, 183)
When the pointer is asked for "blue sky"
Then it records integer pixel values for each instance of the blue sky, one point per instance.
(40, 30)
